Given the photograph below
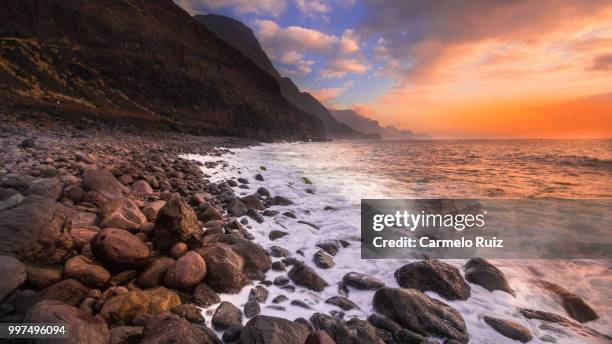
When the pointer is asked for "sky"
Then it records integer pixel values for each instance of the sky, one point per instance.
(451, 69)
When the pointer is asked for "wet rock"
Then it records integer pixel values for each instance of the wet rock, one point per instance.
(237, 208)
(328, 247)
(141, 186)
(46, 187)
(436, 276)
(263, 329)
(225, 268)
(211, 214)
(360, 281)
(176, 222)
(323, 260)
(232, 334)
(75, 193)
(152, 209)
(83, 235)
(280, 200)
(178, 250)
(343, 302)
(126, 179)
(278, 266)
(27, 143)
(334, 326)
(259, 294)
(170, 328)
(263, 192)
(253, 202)
(276, 234)
(255, 257)
(509, 329)
(280, 299)
(301, 304)
(243, 180)
(363, 331)
(13, 274)
(119, 250)
(259, 177)
(186, 272)
(406, 336)
(124, 277)
(81, 324)
(253, 214)
(125, 334)
(86, 271)
(190, 313)
(290, 214)
(153, 274)
(573, 304)
(231, 182)
(251, 309)
(226, 316)
(419, 313)
(278, 252)
(68, 291)
(309, 224)
(305, 276)
(126, 307)
(281, 280)
(41, 276)
(382, 322)
(122, 213)
(37, 231)
(319, 337)
(103, 182)
(481, 272)
(203, 296)
(270, 213)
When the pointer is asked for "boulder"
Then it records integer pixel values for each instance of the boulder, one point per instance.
(141, 186)
(10, 201)
(280, 200)
(419, 313)
(120, 250)
(152, 209)
(41, 276)
(123, 213)
(436, 276)
(360, 281)
(305, 276)
(573, 304)
(251, 309)
(254, 256)
(81, 236)
(86, 271)
(259, 293)
(263, 329)
(226, 315)
(336, 328)
(363, 331)
(75, 193)
(253, 202)
(328, 247)
(178, 250)
(263, 192)
(276, 234)
(188, 271)
(13, 274)
(343, 302)
(323, 260)
(80, 323)
(319, 337)
(67, 291)
(211, 214)
(237, 208)
(509, 329)
(480, 271)
(46, 187)
(224, 268)
(232, 334)
(189, 312)
(153, 274)
(176, 221)
(126, 334)
(37, 231)
(103, 182)
(170, 328)
(203, 296)
(125, 307)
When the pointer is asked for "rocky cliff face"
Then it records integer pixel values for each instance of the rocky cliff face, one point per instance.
(241, 37)
(138, 61)
(370, 126)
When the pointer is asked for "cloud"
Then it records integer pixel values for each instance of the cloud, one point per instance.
(329, 95)
(602, 63)
(277, 40)
(313, 8)
(298, 68)
(339, 67)
(349, 42)
(263, 7)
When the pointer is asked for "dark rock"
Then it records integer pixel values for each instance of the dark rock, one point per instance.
(27, 143)
(436, 276)
(170, 328)
(280, 299)
(319, 337)
(125, 334)
(276, 234)
(13, 274)
(226, 315)
(309, 224)
(80, 323)
(42, 276)
(382, 322)
(153, 274)
(119, 250)
(328, 247)
(342, 302)
(237, 208)
(190, 313)
(152, 209)
(232, 334)
(232, 183)
(278, 266)
(75, 193)
(203, 296)
(124, 277)
(253, 202)
(361, 281)
(251, 309)
(263, 192)
(573, 304)
(142, 187)
(224, 268)
(186, 272)
(481, 272)
(301, 304)
(253, 214)
(103, 182)
(305, 276)
(406, 336)
(243, 180)
(126, 307)
(280, 200)
(323, 260)
(86, 271)
(37, 230)
(509, 329)
(178, 250)
(281, 280)
(176, 222)
(46, 187)
(122, 213)
(290, 214)
(334, 326)
(363, 331)
(259, 294)
(278, 252)
(68, 291)
(263, 329)
(270, 213)
(419, 313)
(259, 177)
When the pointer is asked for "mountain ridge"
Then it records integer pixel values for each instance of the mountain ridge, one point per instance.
(370, 126)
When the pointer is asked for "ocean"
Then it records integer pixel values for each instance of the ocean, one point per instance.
(327, 180)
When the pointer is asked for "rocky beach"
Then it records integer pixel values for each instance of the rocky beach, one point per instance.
(122, 238)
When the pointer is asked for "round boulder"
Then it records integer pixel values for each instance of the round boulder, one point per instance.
(86, 271)
(13, 274)
(188, 271)
(120, 250)
(436, 276)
